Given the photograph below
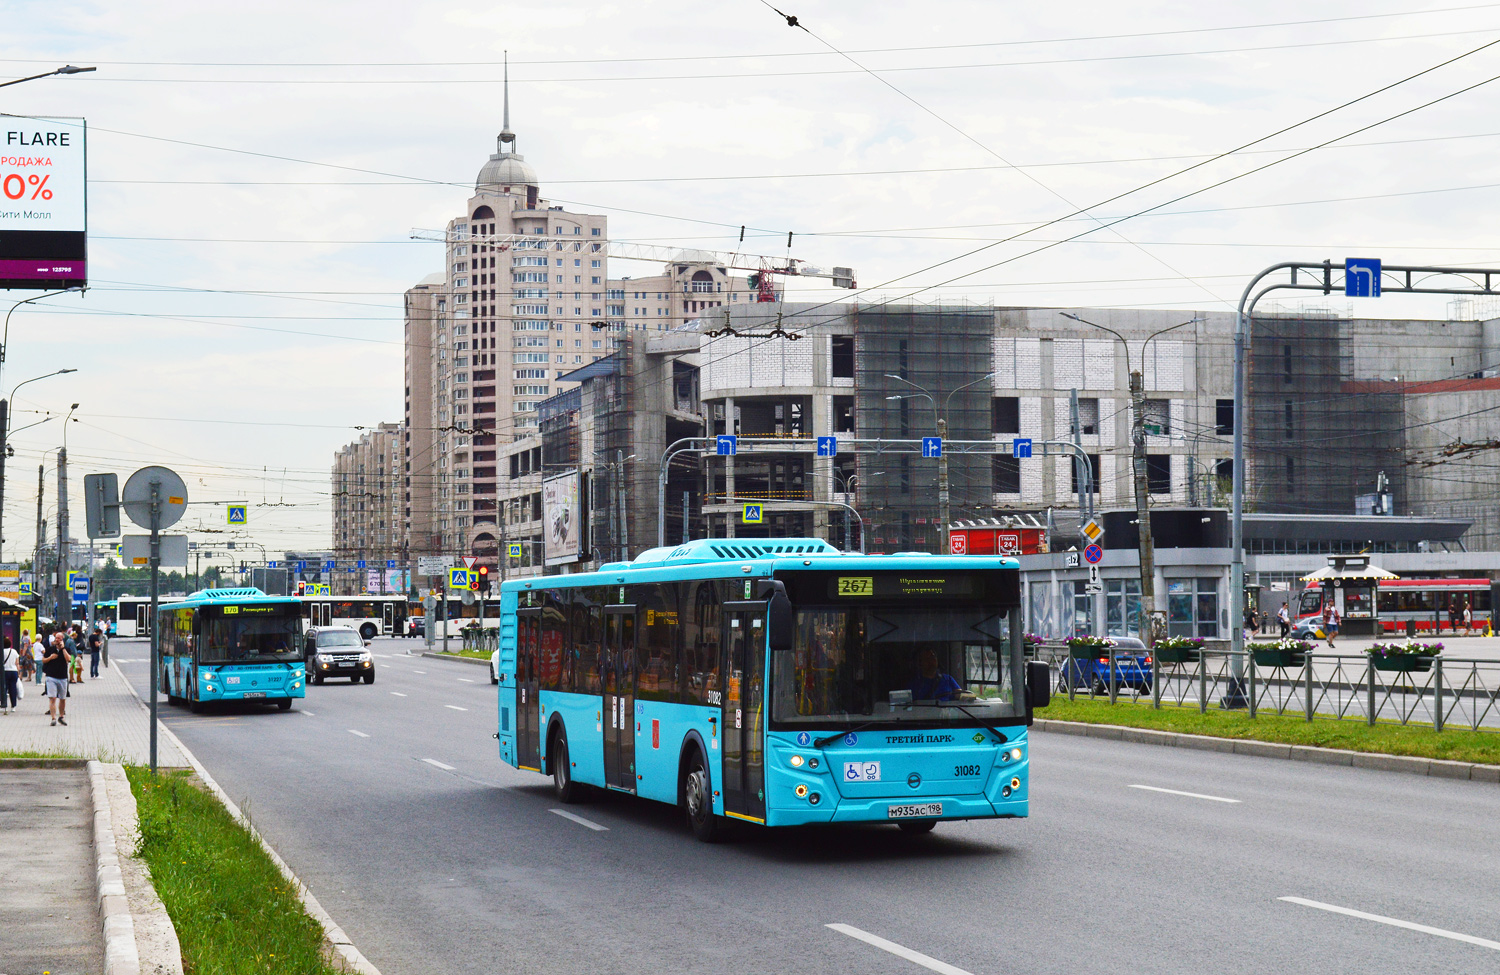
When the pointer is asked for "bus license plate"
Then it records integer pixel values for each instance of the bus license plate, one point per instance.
(914, 812)
(255, 693)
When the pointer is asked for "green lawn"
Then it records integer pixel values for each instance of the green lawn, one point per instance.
(1453, 744)
(234, 912)
(476, 654)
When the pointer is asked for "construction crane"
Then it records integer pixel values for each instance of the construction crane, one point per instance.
(762, 269)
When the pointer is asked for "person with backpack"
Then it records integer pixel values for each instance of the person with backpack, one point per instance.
(10, 679)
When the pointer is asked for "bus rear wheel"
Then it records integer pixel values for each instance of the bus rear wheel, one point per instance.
(367, 632)
(563, 785)
(698, 801)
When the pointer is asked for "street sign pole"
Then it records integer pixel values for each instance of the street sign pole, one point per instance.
(151, 621)
(445, 612)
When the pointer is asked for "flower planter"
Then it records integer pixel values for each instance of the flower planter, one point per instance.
(1279, 658)
(1176, 655)
(1405, 663)
(1088, 653)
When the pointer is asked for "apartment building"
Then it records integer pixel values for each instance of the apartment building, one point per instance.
(369, 510)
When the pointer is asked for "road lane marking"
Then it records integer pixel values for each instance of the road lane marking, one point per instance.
(419, 672)
(1190, 795)
(310, 714)
(900, 951)
(397, 694)
(455, 707)
(465, 680)
(580, 820)
(437, 764)
(1394, 922)
(360, 733)
(386, 666)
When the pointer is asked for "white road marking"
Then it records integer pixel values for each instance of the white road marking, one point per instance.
(900, 951)
(386, 666)
(1394, 922)
(1190, 795)
(310, 714)
(419, 671)
(360, 733)
(397, 694)
(434, 762)
(581, 821)
(455, 707)
(465, 680)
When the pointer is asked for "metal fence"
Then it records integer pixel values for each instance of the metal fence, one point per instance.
(1446, 692)
(476, 638)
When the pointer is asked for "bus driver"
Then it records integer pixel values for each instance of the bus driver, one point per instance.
(932, 684)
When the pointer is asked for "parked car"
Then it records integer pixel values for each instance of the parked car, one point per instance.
(337, 651)
(494, 666)
(1132, 669)
(1308, 628)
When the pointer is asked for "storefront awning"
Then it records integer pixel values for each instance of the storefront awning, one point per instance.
(1350, 571)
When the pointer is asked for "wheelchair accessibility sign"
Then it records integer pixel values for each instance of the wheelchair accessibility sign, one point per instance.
(861, 771)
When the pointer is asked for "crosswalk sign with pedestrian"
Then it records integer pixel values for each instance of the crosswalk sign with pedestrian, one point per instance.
(238, 514)
(754, 514)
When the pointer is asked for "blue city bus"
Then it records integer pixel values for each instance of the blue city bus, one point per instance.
(106, 614)
(776, 682)
(232, 645)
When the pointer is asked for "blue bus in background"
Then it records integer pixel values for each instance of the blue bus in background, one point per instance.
(232, 645)
(777, 682)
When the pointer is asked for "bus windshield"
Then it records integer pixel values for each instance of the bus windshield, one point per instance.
(930, 665)
(255, 639)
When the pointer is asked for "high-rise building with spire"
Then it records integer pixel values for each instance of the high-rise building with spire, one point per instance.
(522, 283)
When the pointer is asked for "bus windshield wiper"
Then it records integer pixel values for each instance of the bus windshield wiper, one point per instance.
(955, 704)
(821, 742)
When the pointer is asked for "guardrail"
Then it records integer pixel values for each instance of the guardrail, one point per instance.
(1451, 691)
(475, 638)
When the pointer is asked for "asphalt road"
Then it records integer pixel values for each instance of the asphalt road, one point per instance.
(390, 802)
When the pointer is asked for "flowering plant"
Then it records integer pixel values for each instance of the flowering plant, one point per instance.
(1180, 643)
(1405, 649)
(1089, 642)
(1031, 639)
(1286, 643)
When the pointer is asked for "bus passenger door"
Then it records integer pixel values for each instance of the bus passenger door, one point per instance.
(743, 716)
(619, 697)
(142, 615)
(388, 618)
(528, 713)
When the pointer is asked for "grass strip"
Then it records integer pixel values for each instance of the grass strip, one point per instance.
(234, 912)
(1420, 741)
(476, 654)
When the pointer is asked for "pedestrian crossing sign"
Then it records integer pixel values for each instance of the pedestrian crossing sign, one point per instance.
(754, 514)
(458, 578)
(237, 514)
(515, 550)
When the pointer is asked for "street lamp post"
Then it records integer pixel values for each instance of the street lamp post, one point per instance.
(64, 598)
(1145, 544)
(5, 435)
(65, 69)
(941, 422)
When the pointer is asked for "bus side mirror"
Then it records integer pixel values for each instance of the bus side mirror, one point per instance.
(1038, 685)
(197, 626)
(779, 624)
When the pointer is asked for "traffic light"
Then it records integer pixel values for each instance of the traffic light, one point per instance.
(301, 588)
(484, 580)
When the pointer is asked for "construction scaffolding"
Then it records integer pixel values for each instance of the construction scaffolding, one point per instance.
(1318, 438)
(914, 366)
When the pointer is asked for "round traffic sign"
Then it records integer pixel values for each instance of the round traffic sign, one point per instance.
(1093, 554)
(157, 484)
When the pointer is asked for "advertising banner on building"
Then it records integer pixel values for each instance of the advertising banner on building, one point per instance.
(43, 203)
(562, 518)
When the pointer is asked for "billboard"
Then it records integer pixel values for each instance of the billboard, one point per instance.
(10, 580)
(43, 203)
(562, 518)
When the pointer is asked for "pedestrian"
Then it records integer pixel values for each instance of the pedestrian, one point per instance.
(10, 679)
(1284, 620)
(38, 649)
(1466, 617)
(75, 655)
(23, 656)
(96, 644)
(1331, 622)
(1453, 618)
(55, 666)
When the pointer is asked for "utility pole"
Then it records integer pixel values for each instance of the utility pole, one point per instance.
(1085, 477)
(64, 598)
(1145, 543)
(943, 498)
(37, 587)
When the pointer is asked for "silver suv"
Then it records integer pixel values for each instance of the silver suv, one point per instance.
(337, 651)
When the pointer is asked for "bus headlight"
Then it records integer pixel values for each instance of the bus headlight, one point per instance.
(796, 761)
(1015, 754)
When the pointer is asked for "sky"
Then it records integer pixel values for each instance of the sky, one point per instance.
(255, 178)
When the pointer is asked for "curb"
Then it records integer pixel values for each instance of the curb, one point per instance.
(448, 656)
(44, 762)
(351, 957)
(122, 948)
(1411, 765)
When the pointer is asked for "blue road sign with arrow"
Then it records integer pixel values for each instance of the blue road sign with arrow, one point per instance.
(1020, 447)
(726, 445)
(932, 446)
(828, 446)
(1362, 277)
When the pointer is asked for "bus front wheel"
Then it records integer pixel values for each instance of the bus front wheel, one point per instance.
(285, 704)
(698, 801)
(194, 705)
(915, 826)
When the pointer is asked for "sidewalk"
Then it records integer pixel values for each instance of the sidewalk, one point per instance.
(105, 722)
(49, 899)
